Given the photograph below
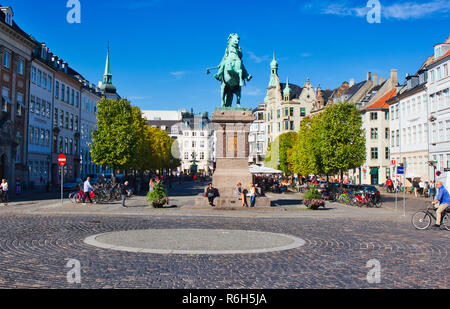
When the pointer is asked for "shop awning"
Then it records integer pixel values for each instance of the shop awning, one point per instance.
(374, 171)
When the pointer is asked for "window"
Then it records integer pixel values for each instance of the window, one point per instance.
(286, 112)
(278, 114)
(38, 106)
(61, 119)
(202, 156)
(20, 67)
(44, 81)
(67, 120)
(43, 107)
(433, 77)
(39, 77)
(33, 75)
(374, 153)
(193, 144)
(202, 144)
(71, 146)
(49, 107)
(386, 133)
(286, 125)
(5, 97)
(393, 139)
(77, 99)
(42, 137)
(31, 135)
(61, 144)
(386, 115)
(50, 83)
(291, 112)
(76, 123)
(72, 101)
(67, 94)
(374, 133)
(186, 156)
(47, 138)
(66, 145)
(387, 153)
(57, 90)
(291, 126)
(302, 112)
(19, 148)
(445, 70)
(36, 135)
(398, 137)
(71, 122)
(63, 89)
(6, 60)
(19, 104)
(441, 131)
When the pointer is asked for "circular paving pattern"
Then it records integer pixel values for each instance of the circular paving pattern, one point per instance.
(35, 250)
(195, 241)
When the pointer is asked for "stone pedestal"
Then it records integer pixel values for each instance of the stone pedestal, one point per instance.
(232, 128)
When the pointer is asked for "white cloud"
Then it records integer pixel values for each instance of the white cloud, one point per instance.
(252, 91)
(258, 59)
(398, 10)
(178, 74)
(305, 55)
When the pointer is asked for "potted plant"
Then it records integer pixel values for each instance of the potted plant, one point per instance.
(158, 197)
(313, 199)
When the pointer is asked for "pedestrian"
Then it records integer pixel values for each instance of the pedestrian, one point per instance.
(151, 184)
(421, 187)
(124, 192)
(87, 189)
(441, 203)
(210, 193)
(4, 192)
(432, 189)
(252, 195)
(240, 195)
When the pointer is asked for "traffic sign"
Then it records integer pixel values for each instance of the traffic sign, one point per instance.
(438, 173)
(393, 162)
(62, 160)
(400, 170)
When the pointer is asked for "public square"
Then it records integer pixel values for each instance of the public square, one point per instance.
(37, 241)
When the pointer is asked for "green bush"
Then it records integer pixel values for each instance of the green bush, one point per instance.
(158, 197)
(312, 194)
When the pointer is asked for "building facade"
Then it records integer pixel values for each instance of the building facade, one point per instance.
(285, 105)
(257, 137)
(40, 119)
(15, 49)
(439, 105)
(66, 121)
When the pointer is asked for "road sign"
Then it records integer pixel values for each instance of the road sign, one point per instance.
(62, 160)
(400, 170)
(393, 162)
(438, 173)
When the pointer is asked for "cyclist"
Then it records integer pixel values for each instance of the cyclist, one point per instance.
(441, 203)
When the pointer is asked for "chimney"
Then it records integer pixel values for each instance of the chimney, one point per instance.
(382, 80)
(394, 77)
(369, 76)
(352, 82)
(375, 79)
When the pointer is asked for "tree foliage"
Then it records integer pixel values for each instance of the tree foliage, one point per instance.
(123, 140)
(331, 142)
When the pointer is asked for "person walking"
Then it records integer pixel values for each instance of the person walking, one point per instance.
(252, 195)
(4, 192)
(124, 192)
(441, 203)
(87, 189)
(432, 189)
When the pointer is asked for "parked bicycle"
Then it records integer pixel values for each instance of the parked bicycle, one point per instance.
(423, 219)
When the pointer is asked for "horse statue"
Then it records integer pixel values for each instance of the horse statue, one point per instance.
(231, 72)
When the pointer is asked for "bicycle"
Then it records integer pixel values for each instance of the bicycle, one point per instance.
(423, 219)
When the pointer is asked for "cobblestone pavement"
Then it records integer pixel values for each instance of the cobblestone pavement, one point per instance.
(34, 251)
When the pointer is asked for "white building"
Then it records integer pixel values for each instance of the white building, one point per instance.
(90, 95)
(439, 105)
(409, 128)
(257, 137)
(40, 119)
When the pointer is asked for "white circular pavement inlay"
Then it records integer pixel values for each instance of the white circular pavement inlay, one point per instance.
(190, 241)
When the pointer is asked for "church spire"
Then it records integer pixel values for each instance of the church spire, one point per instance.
(107, 77)
(274, 72)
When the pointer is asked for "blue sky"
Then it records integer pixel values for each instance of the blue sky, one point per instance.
(160, 49)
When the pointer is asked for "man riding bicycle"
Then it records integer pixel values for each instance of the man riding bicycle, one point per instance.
(441, 203)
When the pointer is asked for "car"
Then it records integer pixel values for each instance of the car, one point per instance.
(370, 188)
(73, 186)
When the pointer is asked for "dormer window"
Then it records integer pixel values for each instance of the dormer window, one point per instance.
(8, 12)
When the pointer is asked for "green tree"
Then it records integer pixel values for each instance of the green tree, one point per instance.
(307, 156)
(115, 139)
(342, 139)
(280, 151)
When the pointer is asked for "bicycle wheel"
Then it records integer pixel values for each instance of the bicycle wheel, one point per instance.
(421, 220)
(71, 197)
(446, 222)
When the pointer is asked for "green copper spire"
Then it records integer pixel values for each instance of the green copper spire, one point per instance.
(274, 72)
(107, 77)
(287, 90)
(107, 86)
